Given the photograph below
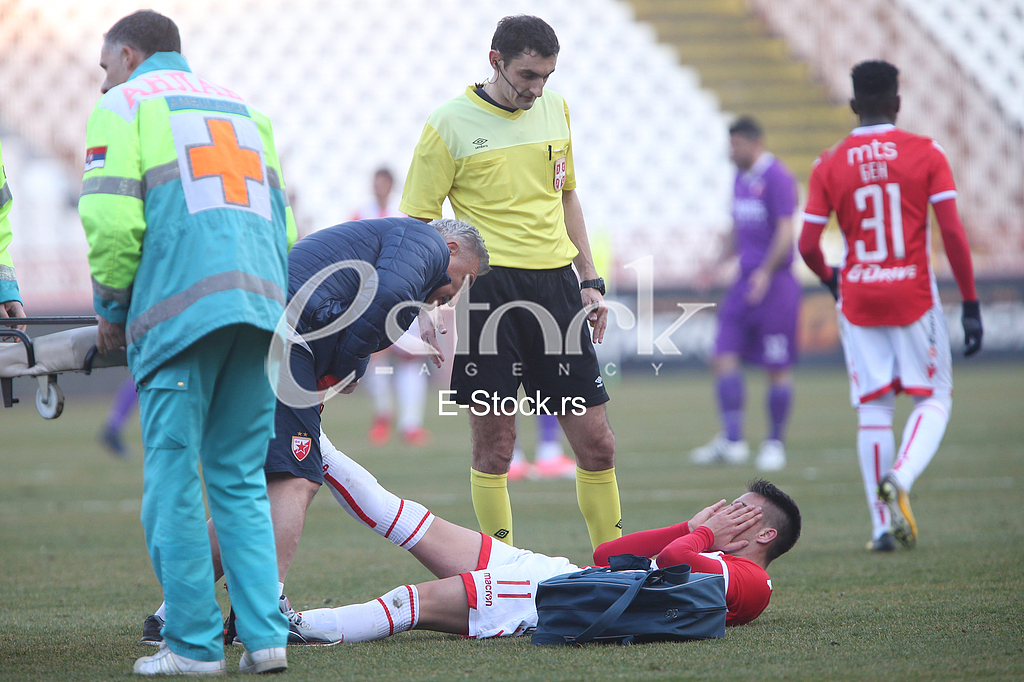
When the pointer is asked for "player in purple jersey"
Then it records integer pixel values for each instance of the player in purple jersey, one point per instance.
(757, 319)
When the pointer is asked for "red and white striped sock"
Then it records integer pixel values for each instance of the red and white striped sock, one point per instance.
(921, 438)
(397, 611)
(403, 522)
(876, 448)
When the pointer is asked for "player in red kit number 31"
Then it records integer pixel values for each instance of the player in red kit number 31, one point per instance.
(880, 181)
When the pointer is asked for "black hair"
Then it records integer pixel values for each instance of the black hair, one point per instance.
(524, 33)
(875, 86)
(748, 127)
(146, 31)
(780, 513)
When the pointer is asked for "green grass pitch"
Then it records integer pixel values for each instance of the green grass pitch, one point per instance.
(75, 581)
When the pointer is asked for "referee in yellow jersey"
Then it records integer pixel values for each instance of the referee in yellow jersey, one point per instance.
(502, 154)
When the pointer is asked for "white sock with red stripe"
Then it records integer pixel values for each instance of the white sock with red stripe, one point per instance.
(403, 522)
(876, 449)
(921, 438)
(397, 611)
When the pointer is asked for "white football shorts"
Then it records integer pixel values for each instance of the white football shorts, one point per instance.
(502, 594)
(914, 358)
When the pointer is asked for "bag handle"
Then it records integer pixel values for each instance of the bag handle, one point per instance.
(610, 614)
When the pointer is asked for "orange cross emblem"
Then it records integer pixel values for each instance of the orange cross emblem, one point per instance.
(225, 158)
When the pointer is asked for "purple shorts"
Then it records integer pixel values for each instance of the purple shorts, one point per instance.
(764, 334)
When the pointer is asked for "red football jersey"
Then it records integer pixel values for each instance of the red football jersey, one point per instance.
(880, 181)
(748, 588)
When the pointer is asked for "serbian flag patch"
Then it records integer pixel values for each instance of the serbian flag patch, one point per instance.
(300, 447)
(95, 157)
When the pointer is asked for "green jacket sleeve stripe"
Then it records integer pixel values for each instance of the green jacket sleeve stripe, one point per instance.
(178, 303)
(125, 187)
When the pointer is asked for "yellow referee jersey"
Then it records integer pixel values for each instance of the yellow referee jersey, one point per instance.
(503, 171)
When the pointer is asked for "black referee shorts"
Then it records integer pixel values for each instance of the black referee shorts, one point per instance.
(508, 349)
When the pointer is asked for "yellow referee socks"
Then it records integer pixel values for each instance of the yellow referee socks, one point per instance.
(597, 493)
(491, 504)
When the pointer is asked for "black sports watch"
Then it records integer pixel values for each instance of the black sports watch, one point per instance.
(593, 284)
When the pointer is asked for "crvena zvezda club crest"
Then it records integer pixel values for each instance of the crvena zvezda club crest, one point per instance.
(300, 447)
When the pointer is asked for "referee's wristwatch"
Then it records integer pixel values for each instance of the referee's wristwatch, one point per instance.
(593, 284)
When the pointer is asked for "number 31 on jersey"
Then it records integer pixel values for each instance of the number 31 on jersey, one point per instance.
(873, 194)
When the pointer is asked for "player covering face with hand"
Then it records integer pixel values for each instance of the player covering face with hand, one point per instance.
(487, 589)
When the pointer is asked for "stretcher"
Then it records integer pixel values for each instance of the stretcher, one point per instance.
(44, 357)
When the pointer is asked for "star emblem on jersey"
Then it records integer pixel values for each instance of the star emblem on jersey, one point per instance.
(300, 447)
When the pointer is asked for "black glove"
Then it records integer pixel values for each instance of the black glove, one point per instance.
(971, 320)
(833, 284)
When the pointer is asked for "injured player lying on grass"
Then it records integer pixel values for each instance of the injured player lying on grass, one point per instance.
(487, 589)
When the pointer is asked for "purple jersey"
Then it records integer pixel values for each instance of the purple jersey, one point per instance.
(761, 196)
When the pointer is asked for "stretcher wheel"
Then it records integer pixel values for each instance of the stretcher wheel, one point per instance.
(49, 398)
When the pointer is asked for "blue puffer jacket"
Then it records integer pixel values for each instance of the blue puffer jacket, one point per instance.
(411, 261)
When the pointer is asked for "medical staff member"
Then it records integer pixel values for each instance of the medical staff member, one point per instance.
(188, 224)
(10, 297)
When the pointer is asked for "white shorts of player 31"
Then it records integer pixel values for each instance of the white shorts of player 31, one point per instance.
(915, 359)
(506, 590)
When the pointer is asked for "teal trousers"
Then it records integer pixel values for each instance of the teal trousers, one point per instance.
(211, 405)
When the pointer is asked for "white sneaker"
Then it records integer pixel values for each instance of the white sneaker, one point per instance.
(166, 662)
(272, 660)
(301, 633)
(721, 451)
(771, 456)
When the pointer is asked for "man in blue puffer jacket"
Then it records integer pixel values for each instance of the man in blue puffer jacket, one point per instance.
(412, 263)
(374, 269)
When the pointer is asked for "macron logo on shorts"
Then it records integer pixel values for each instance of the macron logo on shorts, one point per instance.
(300, 447)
